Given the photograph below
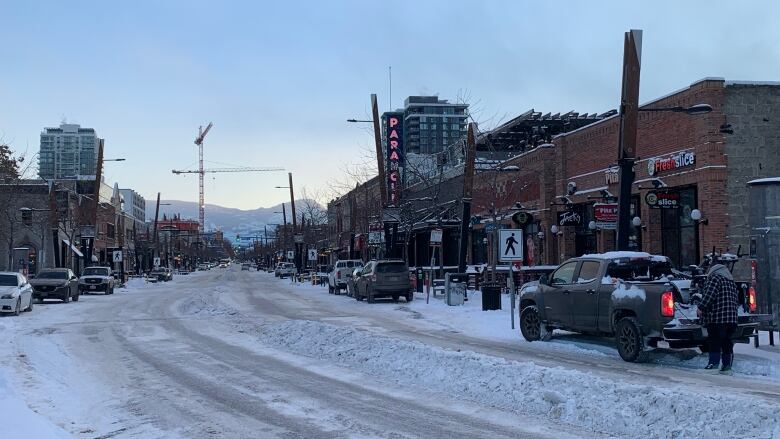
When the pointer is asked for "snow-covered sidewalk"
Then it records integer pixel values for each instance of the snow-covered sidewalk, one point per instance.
(558, 394)
(469, 319)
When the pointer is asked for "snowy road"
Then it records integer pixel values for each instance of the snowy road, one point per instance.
(227, 353)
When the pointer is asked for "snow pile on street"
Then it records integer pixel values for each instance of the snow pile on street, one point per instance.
(205, 303)
(577, 398)
(18, 421)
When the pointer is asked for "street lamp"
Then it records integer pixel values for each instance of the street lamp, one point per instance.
(114, 160)
(359, 121)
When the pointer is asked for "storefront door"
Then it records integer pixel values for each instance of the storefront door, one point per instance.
(680, 234)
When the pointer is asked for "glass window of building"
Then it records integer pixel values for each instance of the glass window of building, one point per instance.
(679, 232)
(423, 119)
(454, 127)
(423, 126)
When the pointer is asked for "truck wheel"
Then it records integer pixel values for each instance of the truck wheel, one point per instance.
(531, 325)
(409, 297)
(630, 342)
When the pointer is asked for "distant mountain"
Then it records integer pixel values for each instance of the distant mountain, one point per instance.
(230, 220)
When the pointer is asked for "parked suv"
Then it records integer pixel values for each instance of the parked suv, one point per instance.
(337, 278)
(55, 283)
(384, 278)
(95, 279)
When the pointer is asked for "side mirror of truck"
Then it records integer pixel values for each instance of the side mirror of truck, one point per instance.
(544, 279)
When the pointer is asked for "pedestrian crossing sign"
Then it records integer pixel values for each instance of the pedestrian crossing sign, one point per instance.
(510, 245)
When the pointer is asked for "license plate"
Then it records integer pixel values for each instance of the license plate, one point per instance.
(92, 287)
(394, 278)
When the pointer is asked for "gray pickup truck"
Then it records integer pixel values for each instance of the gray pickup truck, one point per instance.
(633, 296)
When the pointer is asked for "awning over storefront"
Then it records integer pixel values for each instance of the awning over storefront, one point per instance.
(74, 248)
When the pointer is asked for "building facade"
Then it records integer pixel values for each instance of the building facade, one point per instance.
(134, 205)
(68, 152)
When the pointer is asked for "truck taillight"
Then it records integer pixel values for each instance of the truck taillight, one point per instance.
(752, 299)
(338, 275)
(667, 304)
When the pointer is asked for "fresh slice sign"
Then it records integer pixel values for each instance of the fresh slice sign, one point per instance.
(663, 200)
(674, 161)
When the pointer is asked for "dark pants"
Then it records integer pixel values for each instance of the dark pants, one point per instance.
(719, 338)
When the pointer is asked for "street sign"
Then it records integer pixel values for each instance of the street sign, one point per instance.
(157, 262)
(312, 254)
(510, 245)
(117, 256)
(299, 238)
(290, 254)
(87, 231)
(436, 235)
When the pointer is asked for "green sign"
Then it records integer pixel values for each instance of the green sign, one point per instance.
(522, 218)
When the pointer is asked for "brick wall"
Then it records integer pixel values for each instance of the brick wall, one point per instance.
(753, 151)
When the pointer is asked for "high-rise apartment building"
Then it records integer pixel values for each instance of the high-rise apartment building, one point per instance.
(133, 204)
(68, 153)
(431, 124)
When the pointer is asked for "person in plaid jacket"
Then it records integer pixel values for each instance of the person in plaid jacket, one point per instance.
(718, 312)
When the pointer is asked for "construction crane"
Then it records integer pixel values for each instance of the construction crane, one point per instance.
(202, 172)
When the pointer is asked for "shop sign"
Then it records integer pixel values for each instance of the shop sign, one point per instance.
(663, 200)
(522, 218)
(376, 237)
(394, 133)
(606, 215)
(569, 218)
(674, 161)
(436, 235)
(612, 176)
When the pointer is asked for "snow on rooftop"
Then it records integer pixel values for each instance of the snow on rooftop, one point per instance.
(765, 180)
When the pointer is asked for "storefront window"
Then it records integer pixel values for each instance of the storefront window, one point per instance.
(585, 238)
(680, 234)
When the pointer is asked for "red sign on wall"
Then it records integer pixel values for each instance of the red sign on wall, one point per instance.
(606, 215)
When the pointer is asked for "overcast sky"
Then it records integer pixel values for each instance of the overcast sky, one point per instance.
(278, 79)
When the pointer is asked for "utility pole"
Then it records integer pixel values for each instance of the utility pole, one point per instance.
(468, 186)
(629, 117)
(380, 160)
(296, 245)
(54, 223)
(96, 196)
(156, 252)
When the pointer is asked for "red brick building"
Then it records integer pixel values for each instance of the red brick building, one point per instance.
(691, 162)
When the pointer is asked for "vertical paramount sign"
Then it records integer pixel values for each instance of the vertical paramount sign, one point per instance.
(394, 133)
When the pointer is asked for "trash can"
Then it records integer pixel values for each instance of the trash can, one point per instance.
(491, 296)
(455, 288)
